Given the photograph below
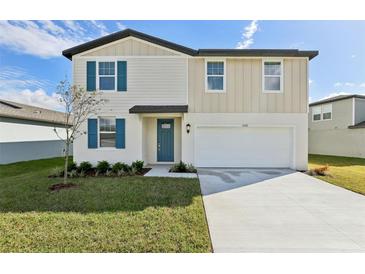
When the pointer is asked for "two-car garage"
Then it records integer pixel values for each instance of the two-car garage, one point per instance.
(243, 146)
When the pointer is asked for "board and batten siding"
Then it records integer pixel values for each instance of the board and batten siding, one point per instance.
(244, 88)
(150, 81)
(130, 47)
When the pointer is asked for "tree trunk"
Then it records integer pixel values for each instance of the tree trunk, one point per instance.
(66, 163)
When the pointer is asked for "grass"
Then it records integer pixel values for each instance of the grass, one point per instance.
(344, 171)
(128, 214)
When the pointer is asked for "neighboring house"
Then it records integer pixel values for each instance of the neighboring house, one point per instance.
(337, 126)
(27, 132)
(209, 107)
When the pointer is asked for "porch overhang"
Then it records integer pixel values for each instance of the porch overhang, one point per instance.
(159, 109)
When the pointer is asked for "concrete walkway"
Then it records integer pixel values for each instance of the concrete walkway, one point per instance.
(276, 210)
(163, 171)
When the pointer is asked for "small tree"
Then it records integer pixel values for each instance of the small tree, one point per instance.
(78, 106)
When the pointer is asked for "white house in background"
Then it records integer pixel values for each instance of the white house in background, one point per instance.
(27, 132)
(209, 107)
(337, 126)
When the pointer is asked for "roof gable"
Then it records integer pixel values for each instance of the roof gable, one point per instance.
(185, 50)
(130, 46)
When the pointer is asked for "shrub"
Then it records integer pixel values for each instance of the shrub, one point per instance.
(102, 167)
(71, 166)
(117, 167)
(85, 167)
(137, 165)
(57, 172)
(182, 167)
(73, 173)
(191, 169)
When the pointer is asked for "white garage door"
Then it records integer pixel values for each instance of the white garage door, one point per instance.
(243, 147)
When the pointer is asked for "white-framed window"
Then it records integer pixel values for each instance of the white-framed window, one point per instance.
(107, 132)
(272, 76)
(317, 113)
(107, 76)
(215, 76)
(322, 112)
(327, 112)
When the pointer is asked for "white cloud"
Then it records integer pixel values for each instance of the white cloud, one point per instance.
(348, 85)
(247, 35)
(44, 39)
(15, 78)
(37, 98)
(51, 27)
(100, 26)
(334, 94)
(16, 84)
(296, 45)
(310, 81)
(353, 56)
(120, 26)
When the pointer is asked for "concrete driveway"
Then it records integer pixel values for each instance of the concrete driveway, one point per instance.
(279, 210)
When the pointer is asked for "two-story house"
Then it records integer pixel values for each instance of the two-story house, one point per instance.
(337, 126)
(209, 107)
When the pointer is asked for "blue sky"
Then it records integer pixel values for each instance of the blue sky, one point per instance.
(31, 64)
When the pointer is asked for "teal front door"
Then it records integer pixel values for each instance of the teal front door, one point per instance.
(165, 140)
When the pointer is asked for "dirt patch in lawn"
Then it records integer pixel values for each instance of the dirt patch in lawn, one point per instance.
(58, 187)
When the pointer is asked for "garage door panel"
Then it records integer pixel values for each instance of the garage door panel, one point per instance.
(243, 147)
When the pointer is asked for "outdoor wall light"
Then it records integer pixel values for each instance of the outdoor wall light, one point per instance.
(188, 126)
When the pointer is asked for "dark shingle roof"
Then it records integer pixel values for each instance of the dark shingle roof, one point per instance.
(192, 52)
(158, 109)
(336, 98)
(31, 113)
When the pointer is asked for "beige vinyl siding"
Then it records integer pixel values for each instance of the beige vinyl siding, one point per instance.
(130, 47)
(341, 116)
(244, 88)
(150, 81)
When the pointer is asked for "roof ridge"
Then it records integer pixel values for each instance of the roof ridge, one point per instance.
(68, 53)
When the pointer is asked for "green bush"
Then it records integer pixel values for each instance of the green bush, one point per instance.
(117, 167)
(182, 167)
(57, 172)
(71, 166)
(85, 167)
(191, 169)
(102, 167)
(137, 165)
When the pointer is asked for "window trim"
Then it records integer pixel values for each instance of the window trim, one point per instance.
(207, 60)
(281, 74)
(115, 132)
(321, 113)
(98, 76)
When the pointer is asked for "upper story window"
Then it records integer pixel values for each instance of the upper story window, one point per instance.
(322, 112)
(215, 76)
(272, 76)
(106, 75)
(107, 131)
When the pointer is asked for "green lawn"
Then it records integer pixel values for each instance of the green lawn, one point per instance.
(344, 171)
(128, 214)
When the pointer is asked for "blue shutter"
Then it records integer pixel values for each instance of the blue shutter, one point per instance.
(122, 76)
(120, 136)
(92, 133)
(91, 76)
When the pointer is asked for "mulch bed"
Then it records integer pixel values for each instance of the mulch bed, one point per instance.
(92, 173)
(58, 187)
